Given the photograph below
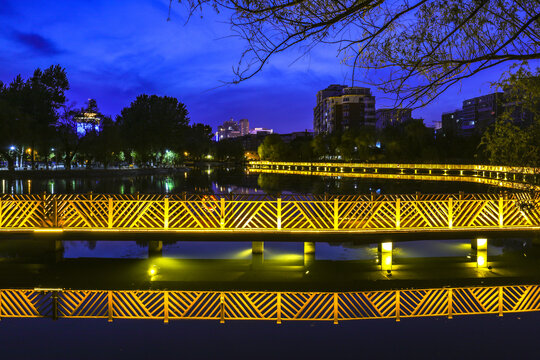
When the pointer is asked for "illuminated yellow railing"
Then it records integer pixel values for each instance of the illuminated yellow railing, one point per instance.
(522, 178)
(357, 213)
(274, 306)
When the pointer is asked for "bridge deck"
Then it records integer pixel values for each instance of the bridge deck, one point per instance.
(345, 214)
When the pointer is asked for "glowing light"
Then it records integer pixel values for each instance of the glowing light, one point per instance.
(481, 261)
(153, 270)
(386, 247)
(481, 244)
(386, 261)
(12, 148)
(48, 230)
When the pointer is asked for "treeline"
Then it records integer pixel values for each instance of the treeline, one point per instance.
(37, 126)
(411, 141)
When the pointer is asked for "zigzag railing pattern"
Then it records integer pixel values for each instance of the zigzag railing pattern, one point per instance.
(274, 306)
(304, 213)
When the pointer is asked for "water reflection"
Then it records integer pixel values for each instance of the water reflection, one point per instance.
(227, 180)
(233, 265)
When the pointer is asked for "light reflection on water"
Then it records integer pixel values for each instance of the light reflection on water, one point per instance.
(272, 250)
(227, 180)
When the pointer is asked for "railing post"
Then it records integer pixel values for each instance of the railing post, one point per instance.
(166, 213)
(110, 305)
(279, 213)
(110, 216)
(501, 210)
(55, 212)
(54, 298)
(398, 213)
(397, 306)
(44, 209)
(336, 214)
(279, 308)
(450, 213)
(222, 306)
(335, 308)
(500, 301)
(450, 303)
(222, 218)
(166, 307)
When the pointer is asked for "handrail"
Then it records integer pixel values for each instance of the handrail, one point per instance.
(356, 214)
(273, 306)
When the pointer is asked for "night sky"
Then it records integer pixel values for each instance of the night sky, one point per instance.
(116, 50)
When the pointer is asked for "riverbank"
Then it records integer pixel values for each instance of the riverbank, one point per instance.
(87, 173)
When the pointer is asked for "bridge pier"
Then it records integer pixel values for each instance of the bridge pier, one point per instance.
(155, 249)
(257, 247)
(385, 255)
(309, 253)
(479, 247)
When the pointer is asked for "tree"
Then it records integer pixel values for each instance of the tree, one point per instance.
(514, 139)
(272, 148)
(198, 140)
(153, 124)
(425, 46)
(42, 96)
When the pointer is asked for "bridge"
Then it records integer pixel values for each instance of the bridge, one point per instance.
(272, 306)
(353, 214)
(522, 178)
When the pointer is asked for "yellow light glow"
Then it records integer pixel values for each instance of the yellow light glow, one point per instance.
(481, 244)
(386, 247)
(481, 261)
(152, 271)
(48, 230)
(386, 263)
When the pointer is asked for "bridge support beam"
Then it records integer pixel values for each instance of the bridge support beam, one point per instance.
(479, 244)
(385, 255)
(479, 247)
(155, 249)
(309, 248)
(309, 253)
(257, 247)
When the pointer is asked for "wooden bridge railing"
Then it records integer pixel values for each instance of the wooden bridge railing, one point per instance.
(274, 306)
(354, 213)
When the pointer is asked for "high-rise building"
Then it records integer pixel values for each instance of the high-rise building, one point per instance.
(244, 126)
(387, 117)
(340, 108)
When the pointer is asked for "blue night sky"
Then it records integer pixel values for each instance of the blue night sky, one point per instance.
(116, 50)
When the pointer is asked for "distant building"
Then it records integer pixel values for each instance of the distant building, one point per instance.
(475, 116)
(233, 129)
(287, 138)
(88, 119)
(388, 117)
(261, 131)
(228, 130)
(340, 108)
(244, 126)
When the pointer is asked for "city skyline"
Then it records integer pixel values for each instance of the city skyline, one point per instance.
(114, 62)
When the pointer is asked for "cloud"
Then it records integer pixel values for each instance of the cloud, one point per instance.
(36, 43)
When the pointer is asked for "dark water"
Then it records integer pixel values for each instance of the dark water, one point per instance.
(235, 180)
(214, 265)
